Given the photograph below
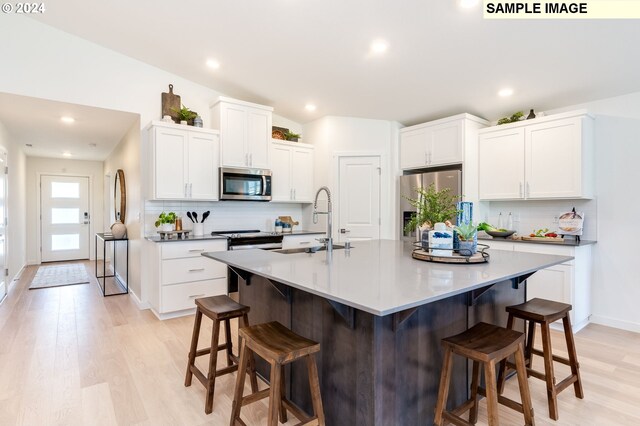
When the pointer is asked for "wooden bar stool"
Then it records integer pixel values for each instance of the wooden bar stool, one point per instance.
(279, 346)
(218, 309)
(487, 344)
(544, 312)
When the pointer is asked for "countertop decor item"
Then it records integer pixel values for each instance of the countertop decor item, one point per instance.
(457, 257)
(531, 115)
(197, 122)
(179, 234)
(293, 137)
(165, 221)
(118, 230)
(185, 114)
(432, 207)
(170, 103)
(288, 220)
(467, 239)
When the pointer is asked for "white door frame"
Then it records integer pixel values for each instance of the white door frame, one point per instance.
(335, 184)
(5, 190)
(39, 211)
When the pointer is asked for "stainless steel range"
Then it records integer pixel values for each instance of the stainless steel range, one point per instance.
(251, 239)
(248, 239)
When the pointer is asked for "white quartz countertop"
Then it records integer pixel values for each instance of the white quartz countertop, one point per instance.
(380, 276)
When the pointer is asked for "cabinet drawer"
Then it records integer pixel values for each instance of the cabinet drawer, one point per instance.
(546, 248)
(191, 269)
(182, 296)
(191, 248)
(295, 241)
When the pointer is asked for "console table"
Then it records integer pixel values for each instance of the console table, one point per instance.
(109, 238)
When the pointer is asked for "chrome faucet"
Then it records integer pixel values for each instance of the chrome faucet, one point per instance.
(328, 241)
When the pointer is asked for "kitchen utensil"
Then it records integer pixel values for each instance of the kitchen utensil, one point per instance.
(500, 234)
(170, 103)
(205, 216)
(195, 216)
(190, 217)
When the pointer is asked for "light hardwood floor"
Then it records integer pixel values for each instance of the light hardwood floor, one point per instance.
(68, 356)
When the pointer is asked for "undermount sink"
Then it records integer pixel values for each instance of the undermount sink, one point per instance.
(307, 249)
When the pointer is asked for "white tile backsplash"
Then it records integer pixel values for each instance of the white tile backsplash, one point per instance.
(532, 215)
(225, 215)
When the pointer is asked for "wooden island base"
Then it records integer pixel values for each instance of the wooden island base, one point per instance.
(375, 370)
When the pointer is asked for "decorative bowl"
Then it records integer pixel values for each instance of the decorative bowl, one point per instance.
(500, 234)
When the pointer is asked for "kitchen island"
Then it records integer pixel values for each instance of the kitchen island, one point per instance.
(379, 316)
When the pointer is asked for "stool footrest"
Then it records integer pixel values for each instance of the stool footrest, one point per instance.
(451, 418)
(566, 383)
(256, 396)
(300, 415)
(556, 358)
(504, 401)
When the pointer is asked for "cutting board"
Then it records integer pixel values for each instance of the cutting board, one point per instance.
(544, 239)
(170, 104)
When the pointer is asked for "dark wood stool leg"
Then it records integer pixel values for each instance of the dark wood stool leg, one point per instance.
(274, 394)
(194, 347)
(227, 339)
(502, 371)
(314, 384)
(548, 370)
(213, 363)
(251, 360)
(475, 382)
(492, 393)
(525, 396)
(573, 356)
(531, 339)
(245, 354)
(283, 396)
(443, 392)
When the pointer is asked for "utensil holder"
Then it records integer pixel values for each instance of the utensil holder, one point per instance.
(198, 229)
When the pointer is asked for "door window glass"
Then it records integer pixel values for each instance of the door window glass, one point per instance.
(65, 190)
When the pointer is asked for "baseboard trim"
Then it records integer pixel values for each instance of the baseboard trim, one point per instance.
(139, 303)
(175, 314)
(616, 323)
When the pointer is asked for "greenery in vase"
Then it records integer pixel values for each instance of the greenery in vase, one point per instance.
(466, 232)
(185, 113)
(291, 136)
(432, 207)
(166, 218)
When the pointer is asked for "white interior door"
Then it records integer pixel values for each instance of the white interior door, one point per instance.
(3, 228)
(64, 217)
(359, 208)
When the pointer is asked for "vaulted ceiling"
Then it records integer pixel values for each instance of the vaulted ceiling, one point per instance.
(441, 59)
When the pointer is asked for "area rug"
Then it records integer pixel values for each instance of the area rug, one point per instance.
(59, 275)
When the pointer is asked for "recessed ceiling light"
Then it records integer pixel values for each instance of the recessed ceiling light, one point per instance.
(505, 92)
(67, 119)
(66, 154)
(468, 4)
(310, 107)
(379, 46)
(213, 64)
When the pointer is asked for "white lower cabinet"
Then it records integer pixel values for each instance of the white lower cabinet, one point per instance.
(297, 241)
(181, 274)
(568, 282)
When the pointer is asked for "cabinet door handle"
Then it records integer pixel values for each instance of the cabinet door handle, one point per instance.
(520, 190)
(294, 194)
(194, 250)
(305, 242)
(528, 193)
(185, 190)
(196, 295)
(196, 270)
(246, 159)
(251, 159)
(190, 190)
(291, 194)
(426, 158)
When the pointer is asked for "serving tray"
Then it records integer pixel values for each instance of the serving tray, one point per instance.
(479, 257)
(543, 239)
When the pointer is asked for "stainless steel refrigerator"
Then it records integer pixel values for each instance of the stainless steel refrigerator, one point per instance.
(451, 179)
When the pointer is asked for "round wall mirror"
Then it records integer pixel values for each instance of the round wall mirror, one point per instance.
(120, 197)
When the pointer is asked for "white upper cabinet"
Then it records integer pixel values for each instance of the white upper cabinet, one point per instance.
(245, 132)
(292, 168)
(540, 159)
(185, 162)
(436, 143)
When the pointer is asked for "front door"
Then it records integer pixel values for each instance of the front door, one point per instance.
(64, 217)
(3, 228)
(359, 186)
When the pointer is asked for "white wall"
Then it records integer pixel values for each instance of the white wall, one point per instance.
(126, 156)
(17, 205)
(37, 166)
(333, 135)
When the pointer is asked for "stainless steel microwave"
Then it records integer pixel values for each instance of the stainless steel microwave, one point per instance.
(245, 184)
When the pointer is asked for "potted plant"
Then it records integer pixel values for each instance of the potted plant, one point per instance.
(432, 207)
(185, 115)
(290, 136)
(467, 241)
(165, 221)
